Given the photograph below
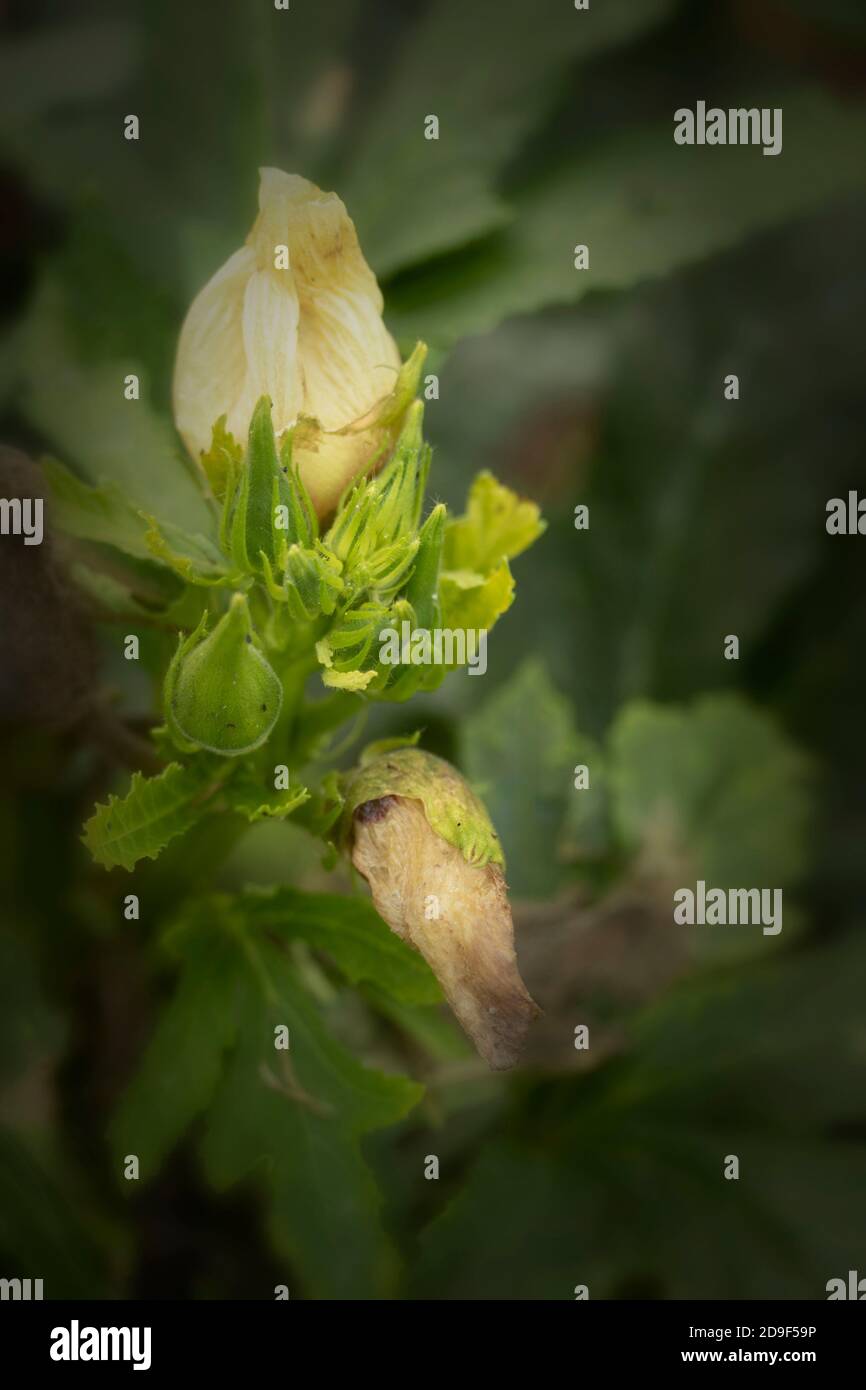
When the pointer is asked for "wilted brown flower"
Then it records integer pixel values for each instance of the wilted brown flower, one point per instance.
(424, 843)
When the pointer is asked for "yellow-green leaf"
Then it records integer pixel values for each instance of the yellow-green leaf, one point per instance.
(496, 526)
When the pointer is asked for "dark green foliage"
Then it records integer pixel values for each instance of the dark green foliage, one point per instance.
(154, 1034)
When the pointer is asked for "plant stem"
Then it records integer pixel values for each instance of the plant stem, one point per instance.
(317, 717)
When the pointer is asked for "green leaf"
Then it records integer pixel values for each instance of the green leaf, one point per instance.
(47, 1229)
(111, 596)
(475, 601)
(435, 1030)
(223, 460)
(716, 786)
(586, 834)
(670, 471)
(290, 1119)
(248, 795)
(519, 750)
(475, 584)
(656, 1220)
(100, 514)
(627, 1195)
(497, 526)
(352, 932)
(194, 559)
(139, 587)
(319, 815)
(79, 406)
(295, 1119)
(154, 811)
(645, 207)
(801, 1066)
(448, 194)
(59, 118)
(185, 1057)
(714, 792)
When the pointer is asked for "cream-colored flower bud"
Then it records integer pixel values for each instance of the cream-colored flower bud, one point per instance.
(296, 315)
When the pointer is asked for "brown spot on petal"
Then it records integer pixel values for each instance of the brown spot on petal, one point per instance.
(374, 810)
(456, 914)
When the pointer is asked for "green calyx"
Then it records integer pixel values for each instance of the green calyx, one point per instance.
(266, 508)
(221, 694)
(422, 591)
(452, 809)
(356, 598)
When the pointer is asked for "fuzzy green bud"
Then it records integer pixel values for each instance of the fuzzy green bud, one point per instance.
(221, 694)
(312, 582)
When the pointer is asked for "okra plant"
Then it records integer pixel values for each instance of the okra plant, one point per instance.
(327, 582)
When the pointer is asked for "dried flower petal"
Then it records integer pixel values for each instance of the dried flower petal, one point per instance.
(455, 912)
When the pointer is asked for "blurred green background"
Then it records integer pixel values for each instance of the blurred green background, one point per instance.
(604, 1166)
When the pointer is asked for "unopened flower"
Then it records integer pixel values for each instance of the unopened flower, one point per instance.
(221, 693)
(424, 843)
(296, 315)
